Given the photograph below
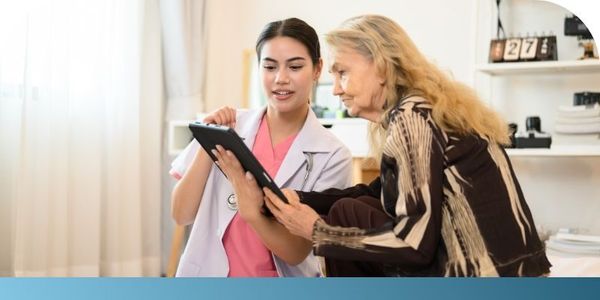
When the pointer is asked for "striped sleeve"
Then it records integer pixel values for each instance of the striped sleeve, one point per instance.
(412, 193)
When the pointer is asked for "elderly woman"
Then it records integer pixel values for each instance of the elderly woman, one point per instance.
(447, 202)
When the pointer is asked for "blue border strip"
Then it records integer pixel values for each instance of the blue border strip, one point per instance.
(289, 288)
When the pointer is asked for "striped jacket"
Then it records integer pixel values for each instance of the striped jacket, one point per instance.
(454, 202)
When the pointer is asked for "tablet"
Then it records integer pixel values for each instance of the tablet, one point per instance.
(210, 135)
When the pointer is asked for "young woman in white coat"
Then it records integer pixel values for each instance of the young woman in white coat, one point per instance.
(230, 236)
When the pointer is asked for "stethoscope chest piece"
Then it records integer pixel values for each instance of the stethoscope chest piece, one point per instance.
(232, 202)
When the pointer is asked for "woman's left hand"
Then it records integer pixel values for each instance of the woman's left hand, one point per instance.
(298, 218)
(248, 193)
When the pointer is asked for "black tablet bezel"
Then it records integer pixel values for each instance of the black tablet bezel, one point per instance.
(210, 135)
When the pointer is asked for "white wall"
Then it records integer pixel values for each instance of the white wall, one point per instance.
(444, 34)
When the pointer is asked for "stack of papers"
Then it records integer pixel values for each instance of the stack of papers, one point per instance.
(573, 254)
(575, 244)
(579, 119)
(577, 125)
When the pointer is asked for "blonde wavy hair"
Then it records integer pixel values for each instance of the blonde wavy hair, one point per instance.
(456, 108)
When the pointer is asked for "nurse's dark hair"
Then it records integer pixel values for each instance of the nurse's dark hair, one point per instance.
(292, 28)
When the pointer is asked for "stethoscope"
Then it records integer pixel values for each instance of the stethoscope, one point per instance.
(232, 201)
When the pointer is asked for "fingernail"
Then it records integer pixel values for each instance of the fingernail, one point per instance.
(214, 152)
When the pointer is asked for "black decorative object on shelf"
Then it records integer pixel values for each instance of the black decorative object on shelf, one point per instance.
(533, 124)
(534, 137)
(586, 98)
(575, 27)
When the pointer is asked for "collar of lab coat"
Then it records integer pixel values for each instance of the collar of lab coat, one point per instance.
(310, 139)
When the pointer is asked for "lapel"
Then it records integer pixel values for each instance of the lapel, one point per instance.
(248, 127)
(310, 139)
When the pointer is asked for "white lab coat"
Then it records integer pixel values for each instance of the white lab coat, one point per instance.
(204, 254)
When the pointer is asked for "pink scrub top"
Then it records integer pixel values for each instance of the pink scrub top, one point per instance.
(247, 255)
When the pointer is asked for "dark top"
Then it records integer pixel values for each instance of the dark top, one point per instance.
(454, 202)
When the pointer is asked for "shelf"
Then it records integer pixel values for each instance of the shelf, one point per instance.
(355, 121)
(538, 67)
(560, 150)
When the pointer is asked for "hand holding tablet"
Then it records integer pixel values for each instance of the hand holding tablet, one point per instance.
(210, 135)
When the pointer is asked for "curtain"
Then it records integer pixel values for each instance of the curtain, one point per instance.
(80, 111)
(183, 25)
(184, 44)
